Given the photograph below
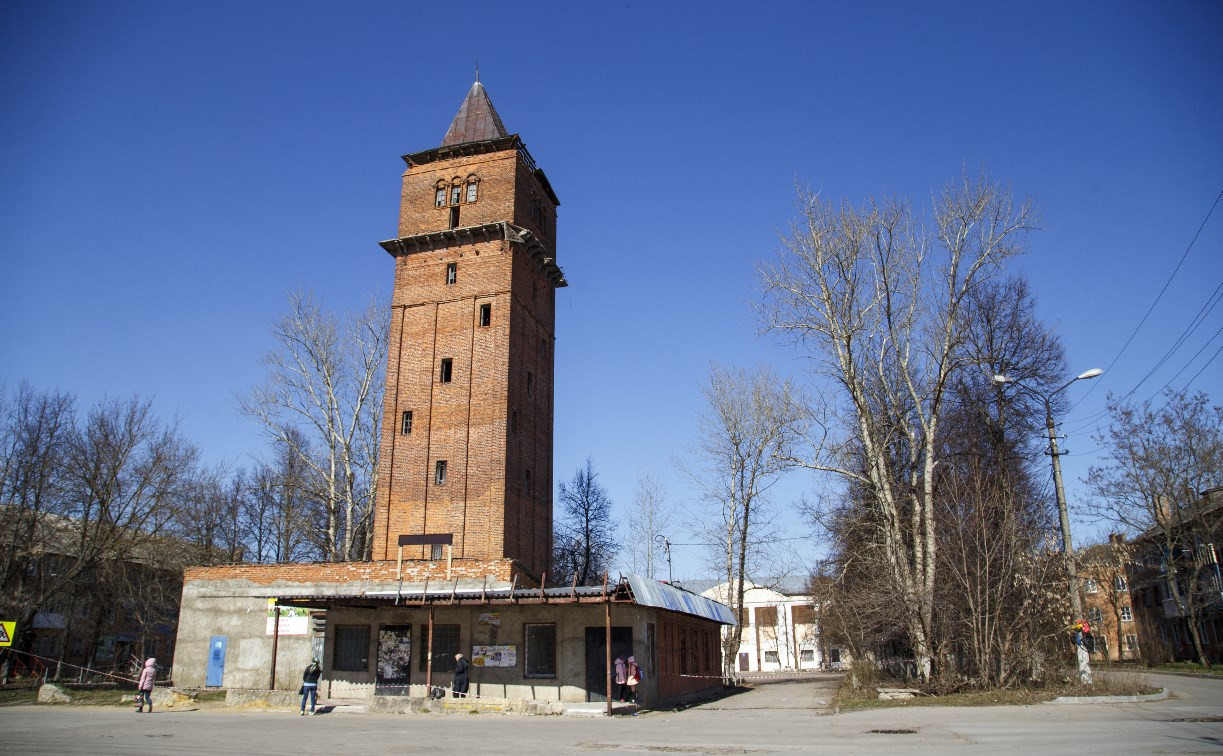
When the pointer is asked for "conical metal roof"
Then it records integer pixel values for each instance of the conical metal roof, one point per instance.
(476, 121)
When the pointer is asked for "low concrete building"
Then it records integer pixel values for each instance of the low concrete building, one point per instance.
(381, 636)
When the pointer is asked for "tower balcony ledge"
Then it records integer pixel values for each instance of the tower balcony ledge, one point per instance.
(500, 230)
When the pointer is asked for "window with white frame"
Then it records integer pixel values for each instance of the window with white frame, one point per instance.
(1127, 614)
(1095, 615)
(1089, 585)
(1119, 584)
(1131, 642)
(770, 657)
(806, 655)
(439, 473)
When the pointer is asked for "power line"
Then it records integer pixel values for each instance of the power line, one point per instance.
(1158, 296)
(1211, 302)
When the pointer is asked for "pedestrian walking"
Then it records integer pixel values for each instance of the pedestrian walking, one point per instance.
(632, 677)
(144, 686)
(621, 676)
(461, 669)
(309, 687)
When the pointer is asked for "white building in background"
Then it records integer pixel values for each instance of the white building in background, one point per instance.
(780, 627)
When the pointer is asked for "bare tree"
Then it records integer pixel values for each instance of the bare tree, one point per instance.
(584, 541)
(878, 303)
(647, 524)
(324, 378)
(279, 515)
(747, 431)
(35, 428)
(122, 477)
(1160, 464)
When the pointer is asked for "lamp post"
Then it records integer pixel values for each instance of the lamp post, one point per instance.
(1076, 604)
(662, 541)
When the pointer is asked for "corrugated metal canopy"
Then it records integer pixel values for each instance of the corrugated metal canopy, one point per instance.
(632, 589)
(653, 593)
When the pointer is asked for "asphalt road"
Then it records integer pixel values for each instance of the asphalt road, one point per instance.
(780, 717)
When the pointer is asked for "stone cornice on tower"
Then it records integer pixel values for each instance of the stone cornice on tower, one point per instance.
(500, 230)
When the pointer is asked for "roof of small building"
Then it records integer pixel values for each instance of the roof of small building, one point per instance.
(789, 585)
(631, 589)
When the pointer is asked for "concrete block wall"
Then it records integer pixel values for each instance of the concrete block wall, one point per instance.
(231, 601)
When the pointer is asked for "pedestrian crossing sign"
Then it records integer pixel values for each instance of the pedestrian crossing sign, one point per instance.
(7, 631)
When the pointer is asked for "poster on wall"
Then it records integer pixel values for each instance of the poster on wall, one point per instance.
(294, 620)
(492, 619)
(494, 656)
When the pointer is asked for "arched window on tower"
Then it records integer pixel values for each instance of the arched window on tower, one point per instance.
(472, 188)
(439, 196)
(456, 192)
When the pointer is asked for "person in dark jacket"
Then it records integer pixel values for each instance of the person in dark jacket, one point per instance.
(310, 685)
(144, 688)
(461, 668)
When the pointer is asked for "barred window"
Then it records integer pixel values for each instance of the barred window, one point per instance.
(445, 646)
(351, 651)
(539, 641)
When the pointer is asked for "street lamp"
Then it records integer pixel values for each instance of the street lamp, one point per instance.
(662, 541)
(1076, 603)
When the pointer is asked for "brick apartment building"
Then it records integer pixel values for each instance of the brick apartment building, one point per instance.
(463, 536)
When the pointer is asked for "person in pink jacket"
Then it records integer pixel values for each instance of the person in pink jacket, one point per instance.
(144, 688)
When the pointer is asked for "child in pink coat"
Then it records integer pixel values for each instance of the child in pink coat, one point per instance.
(144, 688)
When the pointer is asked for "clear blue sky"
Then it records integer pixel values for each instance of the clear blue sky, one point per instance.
(172, 169)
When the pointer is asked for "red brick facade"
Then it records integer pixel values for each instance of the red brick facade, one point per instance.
(478, 294)
(324, 573)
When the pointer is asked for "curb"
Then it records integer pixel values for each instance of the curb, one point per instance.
(1162, 694)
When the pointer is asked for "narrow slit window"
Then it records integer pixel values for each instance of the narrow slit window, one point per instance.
(447, 371)
(439, 472)
(486, 315)
(514, 421)
(452, 274)
(530, 384)
(406, 425)
(530, 489)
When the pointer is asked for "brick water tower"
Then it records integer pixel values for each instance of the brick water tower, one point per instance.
(467, 419)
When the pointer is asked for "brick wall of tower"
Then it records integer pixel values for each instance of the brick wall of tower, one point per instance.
(528, 515)
(467, 422)
(497, 173)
